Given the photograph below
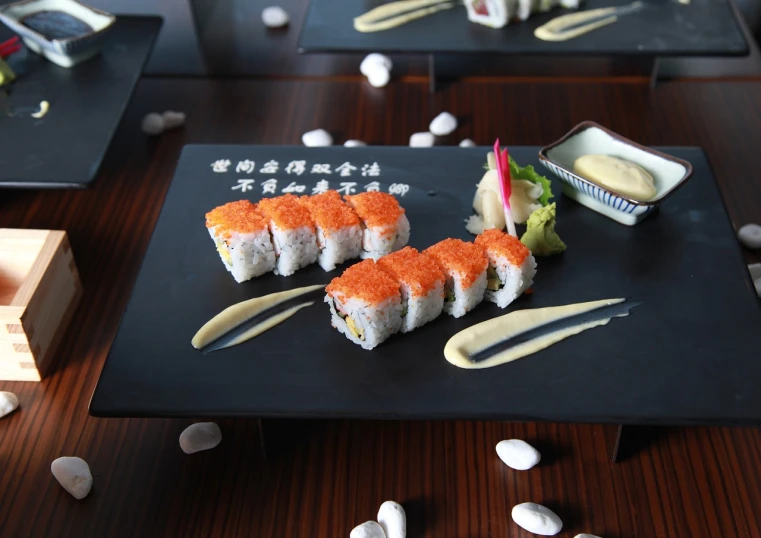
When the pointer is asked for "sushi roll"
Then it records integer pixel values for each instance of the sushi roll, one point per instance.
(293, 233)
(242, 239)
(464, 264)
(365, 304)
(421, 283)
(491, 13)
(511, 266)
(385, 227)
(339, 236)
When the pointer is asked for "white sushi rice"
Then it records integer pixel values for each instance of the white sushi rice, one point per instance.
(374, 323)
(421, 309)
(250, 254)
(294, 248)
(338, 246)
(465, 299)
(378, 241)
(515, 279)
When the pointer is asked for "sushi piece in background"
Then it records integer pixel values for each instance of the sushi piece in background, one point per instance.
(421, 284)
(242, 238)
(365, 304)
(293, 233)
(511, 266)
(339, 236)
(385, 227)
(464, 265)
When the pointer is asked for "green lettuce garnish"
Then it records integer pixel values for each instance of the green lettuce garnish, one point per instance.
(529, 174)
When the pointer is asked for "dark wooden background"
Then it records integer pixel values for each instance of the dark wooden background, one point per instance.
(682, 482)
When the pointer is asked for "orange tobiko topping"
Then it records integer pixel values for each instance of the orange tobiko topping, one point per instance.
(376, 209)
(421, 273)
(461, 257)
(286, 212)
(240, 217)
(364, 281)
(498, 243)
(329, 212)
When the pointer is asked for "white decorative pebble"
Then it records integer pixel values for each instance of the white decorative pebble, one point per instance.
(200, 436)
(153, 124)
(585, 535)
(537, 519)
(392, 518)
(467, 143)
(317, 138)
(8, 403)
(518, 454)
(421, 140)
(755, 270)
(275, 17)
(379, 77)
(443, 124)
(173, 119)
(372, 61)
(368, 529)
(74, 475)
(750, 235)
(354, 144)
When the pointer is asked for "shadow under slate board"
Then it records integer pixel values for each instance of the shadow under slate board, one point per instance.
(64, 149)
(662, 28)
(688, 354)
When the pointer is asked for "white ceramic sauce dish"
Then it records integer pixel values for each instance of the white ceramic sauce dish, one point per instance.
(64, 51)
(669, 173)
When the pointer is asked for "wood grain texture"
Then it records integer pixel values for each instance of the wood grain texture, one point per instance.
(684, 482)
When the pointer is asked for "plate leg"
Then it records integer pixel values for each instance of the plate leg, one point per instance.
(654, 72)
(431, 74)
(279, 436)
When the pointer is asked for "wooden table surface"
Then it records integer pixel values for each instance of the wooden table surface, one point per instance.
(683, 482)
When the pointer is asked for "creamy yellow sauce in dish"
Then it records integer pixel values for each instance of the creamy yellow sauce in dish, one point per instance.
(248, 319)
(524, 332)
(570, 26)
(619, 175)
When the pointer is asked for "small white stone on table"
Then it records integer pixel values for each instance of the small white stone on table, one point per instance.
(755, 270)
(74, 475)
(153, 124)
(421, 140)
(368, 529)
(173, 119)
(275, 17)
(750, 235)
(200, 436)
(518, 454)
(585, 535)
(379, 77)
(443, 124)
(537, 519)
(354, 144)
(317, 138)
(467, 143)
(373, 61)
(393, 520)
(8, 403)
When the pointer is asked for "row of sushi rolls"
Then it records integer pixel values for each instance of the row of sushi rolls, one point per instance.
(396, 287)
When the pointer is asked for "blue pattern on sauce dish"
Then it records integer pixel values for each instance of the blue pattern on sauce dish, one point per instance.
(66, 32)
(588, 137)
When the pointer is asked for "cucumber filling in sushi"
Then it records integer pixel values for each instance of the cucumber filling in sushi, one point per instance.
(493, 282)
(355, 330)
(449, 291)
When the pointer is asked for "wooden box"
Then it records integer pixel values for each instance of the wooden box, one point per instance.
(39, 291)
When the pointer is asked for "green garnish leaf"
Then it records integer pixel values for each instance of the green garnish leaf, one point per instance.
(528, 173)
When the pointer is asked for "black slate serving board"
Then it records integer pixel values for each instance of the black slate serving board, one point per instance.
(64, 149)
(688, 354)
(663, 28)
